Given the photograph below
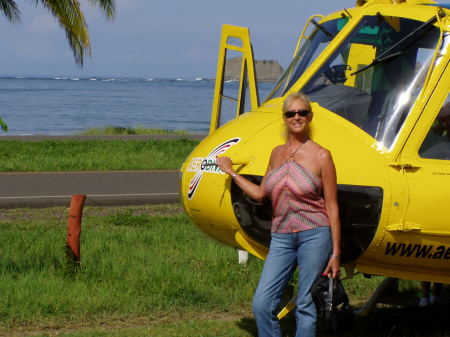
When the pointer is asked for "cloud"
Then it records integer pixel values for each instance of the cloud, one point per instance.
(32, 50)
(198, 53)
(43, 24)
(128, 4)
(93, 12)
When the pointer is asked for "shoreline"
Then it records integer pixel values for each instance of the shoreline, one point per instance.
(37, 138)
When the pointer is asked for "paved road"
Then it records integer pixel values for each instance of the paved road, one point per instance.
(101, 187)
(43, 189)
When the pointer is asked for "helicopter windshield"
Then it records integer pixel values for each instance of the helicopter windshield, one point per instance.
(312, 47)
(374, 77)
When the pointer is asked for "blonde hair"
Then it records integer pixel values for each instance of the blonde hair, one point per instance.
(287, 103)
(296, 96)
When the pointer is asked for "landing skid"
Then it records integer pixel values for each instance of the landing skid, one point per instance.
(375, 297)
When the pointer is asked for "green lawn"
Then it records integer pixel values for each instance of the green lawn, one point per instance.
(148, 271)
(66, 155)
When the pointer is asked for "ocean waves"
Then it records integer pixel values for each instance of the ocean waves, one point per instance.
(70, 105)
(108, 79)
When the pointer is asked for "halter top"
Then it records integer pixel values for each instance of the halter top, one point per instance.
(297, 201)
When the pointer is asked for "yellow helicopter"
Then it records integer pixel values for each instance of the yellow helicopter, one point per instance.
(378, 75)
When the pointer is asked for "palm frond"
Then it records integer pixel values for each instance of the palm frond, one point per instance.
(10, 9)
(71, 19)
(3, 125)
(108, 7)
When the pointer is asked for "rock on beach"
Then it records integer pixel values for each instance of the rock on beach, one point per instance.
(266, 70)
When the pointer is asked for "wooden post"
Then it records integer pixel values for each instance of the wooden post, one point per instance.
(74, 229)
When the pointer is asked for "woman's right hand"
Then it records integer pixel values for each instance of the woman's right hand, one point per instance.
(225, 164)
(256, 192)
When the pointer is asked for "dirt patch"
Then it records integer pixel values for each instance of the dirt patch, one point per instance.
(114, 323)
(52, 214)
(393, 322)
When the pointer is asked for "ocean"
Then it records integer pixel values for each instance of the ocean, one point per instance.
(69, 105)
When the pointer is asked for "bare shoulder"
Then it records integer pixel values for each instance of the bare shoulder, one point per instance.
(277, 150)
(322, 154)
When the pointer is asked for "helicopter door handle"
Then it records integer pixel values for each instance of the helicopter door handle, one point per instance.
(405, 166)
(240, 161)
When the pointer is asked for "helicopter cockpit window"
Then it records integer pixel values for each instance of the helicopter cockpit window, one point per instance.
(318, 39)
(437, 142)
(374, 77)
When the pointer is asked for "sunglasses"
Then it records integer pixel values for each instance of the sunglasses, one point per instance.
(301, 113)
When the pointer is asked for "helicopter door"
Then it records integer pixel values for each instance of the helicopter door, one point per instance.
(425, 231)
(236, 87)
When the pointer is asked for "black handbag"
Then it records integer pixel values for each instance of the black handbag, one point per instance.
(332, 304)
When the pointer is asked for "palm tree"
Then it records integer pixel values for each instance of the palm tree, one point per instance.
(70, 18)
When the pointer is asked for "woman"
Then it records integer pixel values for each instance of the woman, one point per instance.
(301, 182)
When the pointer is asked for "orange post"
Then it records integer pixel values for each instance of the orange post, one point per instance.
(74, 228)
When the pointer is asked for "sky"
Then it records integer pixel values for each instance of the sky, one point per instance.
(155, 38)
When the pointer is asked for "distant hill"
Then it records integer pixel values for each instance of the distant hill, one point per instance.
(266, 70)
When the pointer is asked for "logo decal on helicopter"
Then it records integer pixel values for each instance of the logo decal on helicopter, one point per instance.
(417, 250)
(208, 165)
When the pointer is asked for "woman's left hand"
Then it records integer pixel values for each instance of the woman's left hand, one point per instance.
(333, 268)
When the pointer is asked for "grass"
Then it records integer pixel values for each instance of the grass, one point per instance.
(142, 262)
(148, 271)
(61, 155)
(139, 130)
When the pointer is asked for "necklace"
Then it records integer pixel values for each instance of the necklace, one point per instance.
(291, 155)
(293, 152)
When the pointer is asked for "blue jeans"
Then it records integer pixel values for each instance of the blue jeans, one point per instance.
(310, 250)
